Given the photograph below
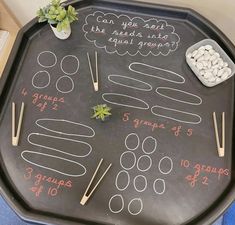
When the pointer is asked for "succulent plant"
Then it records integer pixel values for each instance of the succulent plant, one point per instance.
(56, 14)
(101, 112)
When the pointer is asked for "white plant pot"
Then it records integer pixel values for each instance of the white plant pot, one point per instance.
(64, 34)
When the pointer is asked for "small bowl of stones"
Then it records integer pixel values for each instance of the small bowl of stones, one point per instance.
(209, 62)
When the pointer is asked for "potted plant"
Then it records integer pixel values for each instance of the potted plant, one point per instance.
(58, 17)
(101, 112)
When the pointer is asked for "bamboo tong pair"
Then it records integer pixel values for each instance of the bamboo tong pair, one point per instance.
(220, 148)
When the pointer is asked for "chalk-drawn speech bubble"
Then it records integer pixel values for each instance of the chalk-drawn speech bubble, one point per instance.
(124, 35)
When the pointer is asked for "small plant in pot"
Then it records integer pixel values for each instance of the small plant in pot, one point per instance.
(101, 112)
(58, 17)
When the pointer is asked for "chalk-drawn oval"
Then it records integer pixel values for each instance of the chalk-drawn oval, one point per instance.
(65, 84)
(122, 180)
(163, 167)
(130, 138)
(47, 59)
(149, 145)
(125, 100)
(144, 163)
(114, 203)
(184, 117)
(140, 183)
(161, 73)
(127, 160)
(159, 186)
(59, 126)
(54, 163)
(196, 100)
(67, 64)
(63, 145)
(135, 206)
(41, 79)
(134, 83)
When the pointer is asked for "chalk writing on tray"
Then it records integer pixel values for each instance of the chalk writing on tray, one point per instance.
(176, 130)
(201, 173)
(44, 101)
(40, 183)
(122, 34)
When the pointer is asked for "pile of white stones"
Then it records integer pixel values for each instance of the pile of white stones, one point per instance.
(210, 65)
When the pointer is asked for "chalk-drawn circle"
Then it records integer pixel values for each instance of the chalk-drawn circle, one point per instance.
(113, 202)
(56, 143)
(165, 170)
(130, 82)
(82, 130)
(159, 186)
(149, 145)
(127, 160)
(47, 59)
(160, 73)
(138, 181)
(190, 118)
(60, 84)
(122, 175)
(66, 64)
(196, 100)
(41, 79)
(135, 206)
(125, 100)
(144, 163)
(130, 138)
(54, 163)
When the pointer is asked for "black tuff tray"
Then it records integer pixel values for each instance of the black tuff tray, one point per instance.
(160, 138)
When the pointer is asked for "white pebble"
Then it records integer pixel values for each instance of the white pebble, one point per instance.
(199, 54)
(212, 51)
(220, 72)
(228, 70)
(215, 61)
(194, 53)
(218, 80)
(200, 59)
(225, 64)
(208, 75)
(209, 64)
(217, 54)
(224, 76)
(199, 65)
(189, 55)
(215, 72)
(213, 57)
(211, 79)
(208, 47)
(207, 56)
(204, 63)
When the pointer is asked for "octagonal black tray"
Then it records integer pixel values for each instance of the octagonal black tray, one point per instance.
(160, 138)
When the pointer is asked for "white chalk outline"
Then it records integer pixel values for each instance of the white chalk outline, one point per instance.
(138, 141)
(123, 95)
(155, 140)
(50, 53)
(141, 206)
(132, 153)
(160, 162)
(157, 77)
(128, 182)
(175, 110)
(178, 90)
(145, 180)
(150, 165)
(130, 78)
(78, 64)
(145, 21)
(118, 211)
(67, 121)
(65, 92)
(61, 138)
(53, 156)
(164, 186)
(49, 79)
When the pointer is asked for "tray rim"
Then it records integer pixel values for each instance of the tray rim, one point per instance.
(24, 211)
